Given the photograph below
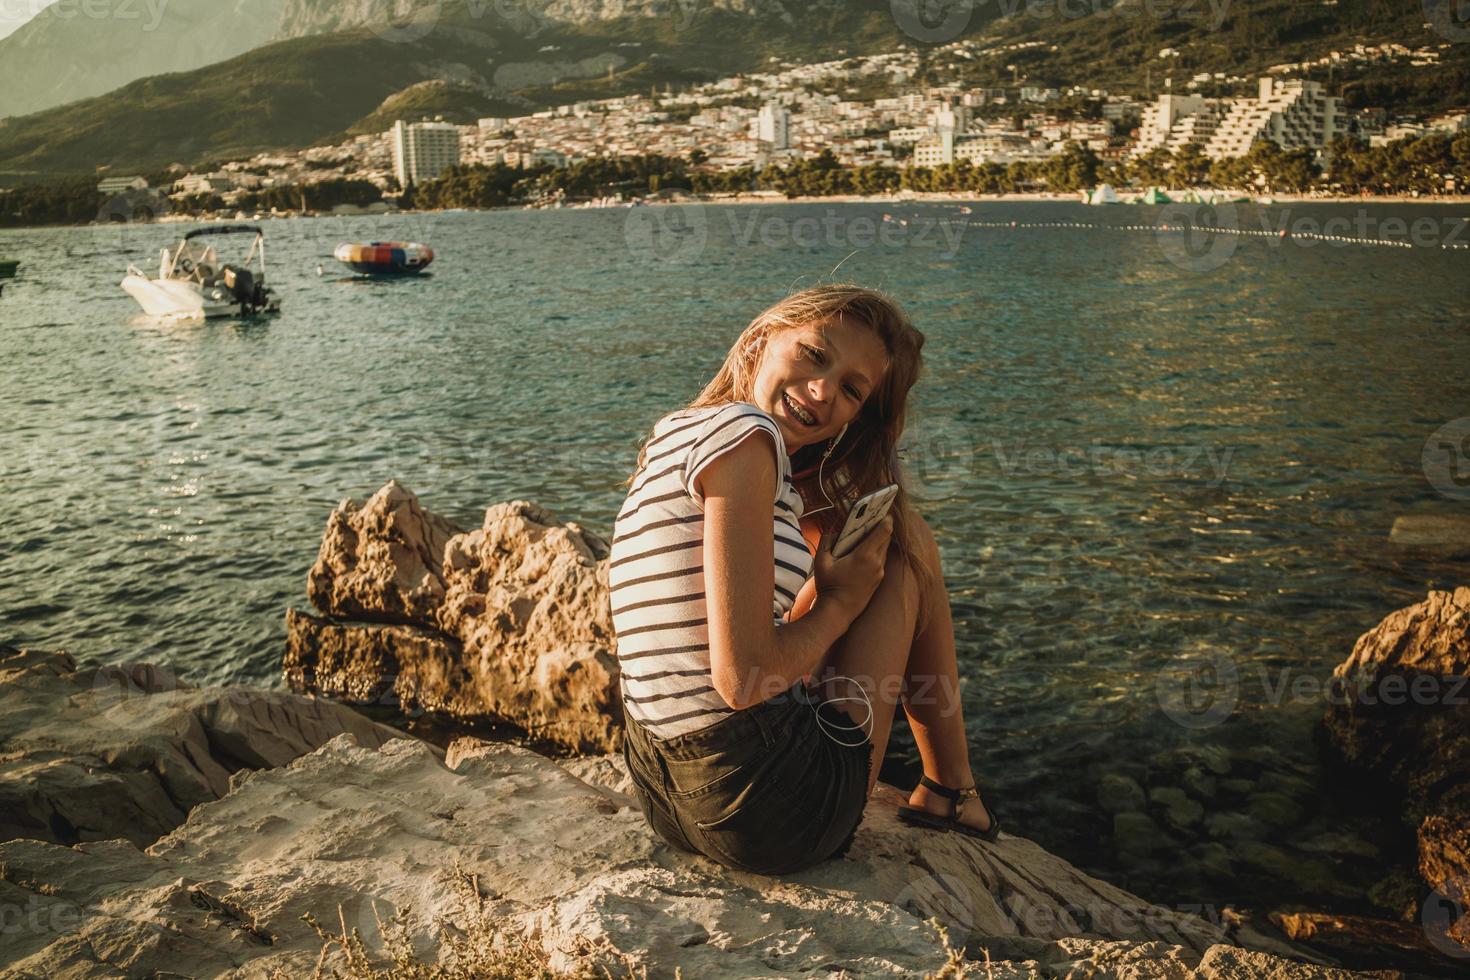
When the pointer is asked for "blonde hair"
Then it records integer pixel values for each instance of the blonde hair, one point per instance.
(866, 457)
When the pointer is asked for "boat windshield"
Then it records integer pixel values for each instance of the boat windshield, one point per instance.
(192, 260)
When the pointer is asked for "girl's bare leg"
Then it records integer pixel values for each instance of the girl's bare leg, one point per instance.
(932, 700)
(868, 660)
(881, 652)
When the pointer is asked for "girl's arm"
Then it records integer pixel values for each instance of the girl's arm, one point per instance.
(751, 659)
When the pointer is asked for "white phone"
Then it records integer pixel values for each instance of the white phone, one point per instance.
(863, 517)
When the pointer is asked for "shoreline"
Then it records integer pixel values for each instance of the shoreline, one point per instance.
(948, 197)
(909, 197)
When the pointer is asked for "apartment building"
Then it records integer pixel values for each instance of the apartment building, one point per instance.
(1290, 112)
(773, 125)
(424, 150)
(1293, 113)
(1175, 121)
(1003, 148)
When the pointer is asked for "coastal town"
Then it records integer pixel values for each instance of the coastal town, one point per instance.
(795, 113)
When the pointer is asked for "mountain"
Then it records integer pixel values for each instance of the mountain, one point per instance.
(64, 53)
(349, 67)
(319, 87)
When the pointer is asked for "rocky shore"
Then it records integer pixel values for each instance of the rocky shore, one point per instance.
(153, 828)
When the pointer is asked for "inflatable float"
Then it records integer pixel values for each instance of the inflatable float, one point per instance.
(385, 258)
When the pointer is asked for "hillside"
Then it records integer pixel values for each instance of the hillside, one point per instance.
(1120, 49)
(63, 54)
(318, 88)
(312, 89)
(71, 51)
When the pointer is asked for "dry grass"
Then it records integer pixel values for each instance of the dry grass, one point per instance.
(484, 950)
(956, 965)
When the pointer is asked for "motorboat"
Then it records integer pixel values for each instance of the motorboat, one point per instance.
(385, 258)
(193, 283)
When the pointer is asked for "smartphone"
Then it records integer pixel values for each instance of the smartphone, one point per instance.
(863, 517)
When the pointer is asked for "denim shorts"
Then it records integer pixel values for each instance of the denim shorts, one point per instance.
(764, 790)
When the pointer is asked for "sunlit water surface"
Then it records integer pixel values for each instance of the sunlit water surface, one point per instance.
(1139, 458)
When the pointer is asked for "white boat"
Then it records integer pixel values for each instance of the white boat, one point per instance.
(192, 283)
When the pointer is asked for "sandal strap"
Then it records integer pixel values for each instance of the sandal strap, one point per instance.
(968, 792)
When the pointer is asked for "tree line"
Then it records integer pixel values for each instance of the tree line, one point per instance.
(1432, 164)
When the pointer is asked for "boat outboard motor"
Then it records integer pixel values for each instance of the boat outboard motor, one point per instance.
(241, 282)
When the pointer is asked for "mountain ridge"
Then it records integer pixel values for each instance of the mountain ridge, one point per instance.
(320, 87)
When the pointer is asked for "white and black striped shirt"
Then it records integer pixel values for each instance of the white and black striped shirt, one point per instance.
(656, 569)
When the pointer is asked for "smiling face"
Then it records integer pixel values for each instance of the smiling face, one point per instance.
(813, 379)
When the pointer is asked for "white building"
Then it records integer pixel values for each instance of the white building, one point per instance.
(423, 151)
(121, 185)
(204, 183)
(773, 125)
(1175, 121)
(954, 118)
(1292, 113)
(911, 134)
(1002, 148)
(935, 150)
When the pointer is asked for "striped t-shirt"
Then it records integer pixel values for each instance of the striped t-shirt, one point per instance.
(656, 569)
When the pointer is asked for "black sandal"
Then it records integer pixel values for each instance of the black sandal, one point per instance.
(958, 798)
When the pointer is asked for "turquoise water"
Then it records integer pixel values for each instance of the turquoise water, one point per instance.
(1131, 451)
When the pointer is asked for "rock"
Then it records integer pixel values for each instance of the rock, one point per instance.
(1123, 960)
(1180, 811)
(1135, 834)
(507, 623)
(381, 561)
(1263, 857)
(1119, 794)
(1199, 784)
(1445, 535)
(1234, 963)
(1274, 810)
(1233, 826)
(1378, 942)
(1398, 721)
(1237, 787)
(1339, 843)
(406, 666)
(510, 840)
(1292, 786)
(527, 597)
(1215, 860)
(128, 751)
(1172, 762)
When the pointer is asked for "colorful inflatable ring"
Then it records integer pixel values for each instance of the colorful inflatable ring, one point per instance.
(385, 258)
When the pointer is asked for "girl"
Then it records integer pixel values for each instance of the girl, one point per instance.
(755, 732)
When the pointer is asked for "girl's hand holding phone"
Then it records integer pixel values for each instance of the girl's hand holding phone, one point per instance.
(851, 580)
